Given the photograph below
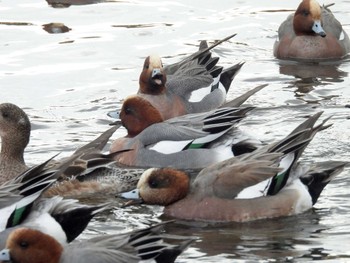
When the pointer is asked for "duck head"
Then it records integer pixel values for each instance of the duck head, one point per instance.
(26, 245)
(160, 186)
(152, 78)
(137, 114)
(307, 19)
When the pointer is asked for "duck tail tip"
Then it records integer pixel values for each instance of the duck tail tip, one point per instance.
(229, 74)
(320, 175)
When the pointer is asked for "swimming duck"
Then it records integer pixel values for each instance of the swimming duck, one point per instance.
(137, 113)
(266, 183)
(80, 178)
(191, 89)
(312, 33)
(191, 141)
(32, 246)
(22, 205)
(15, 130)
(194, 84)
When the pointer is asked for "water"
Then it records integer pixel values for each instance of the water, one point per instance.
(68, 82)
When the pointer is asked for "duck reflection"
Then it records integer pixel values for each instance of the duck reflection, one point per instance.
(68, 3)
(309, 76)
(273, 239)
(56, 28)
(311, 71)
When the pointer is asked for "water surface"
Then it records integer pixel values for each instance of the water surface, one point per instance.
(68, 81)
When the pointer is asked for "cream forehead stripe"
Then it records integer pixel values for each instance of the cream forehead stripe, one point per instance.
(155, 61)
(144, 177)
(315, 9)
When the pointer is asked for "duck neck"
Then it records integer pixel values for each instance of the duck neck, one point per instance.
(13, 148)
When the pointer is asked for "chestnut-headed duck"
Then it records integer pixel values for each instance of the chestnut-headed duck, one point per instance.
(137, 113)
(172, 95)
(195, 84)
(32, 246)
(312, 34)
(22, 205)
(194, 72)
(191, 141)
(266, 183)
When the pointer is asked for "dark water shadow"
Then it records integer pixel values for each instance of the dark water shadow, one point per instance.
(314, 82)
(275, 239)
(328, 71)
(68, 3)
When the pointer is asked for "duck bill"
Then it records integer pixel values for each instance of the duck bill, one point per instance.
(114, 114)
(157, 76)
(156, 72)
(318, 29)
(133, 196)
(5, 255)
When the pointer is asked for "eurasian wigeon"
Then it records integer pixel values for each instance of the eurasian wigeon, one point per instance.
(191, 141)
(80, 178)
(32, 246)
(194, 84)
(63, 219)
(137, 113)
(106, 180)
(22, 205)
(312, 33)
(266, 183)
(172, 95)
(14, 132)
(21, 191)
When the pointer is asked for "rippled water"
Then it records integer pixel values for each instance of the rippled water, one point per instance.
(67, 82)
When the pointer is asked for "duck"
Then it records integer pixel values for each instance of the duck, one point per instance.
(191, 89)
(190, 141)
(108, 180)
(196, 71)
(26, 245)
(18, 194)
(266, 183)
(15, 134)
(137, 113)
(22, 204)
(90, 172)
(311, 34)
(15, 128)
(194, 84)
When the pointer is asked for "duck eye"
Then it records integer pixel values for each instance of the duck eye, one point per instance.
(127, 110)
(5, 114)
(305, 12)
(23, 244)
(153, 184)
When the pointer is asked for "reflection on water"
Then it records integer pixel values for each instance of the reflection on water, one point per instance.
(311, 71)
(68, 89)
(68, 3)
(56, 28)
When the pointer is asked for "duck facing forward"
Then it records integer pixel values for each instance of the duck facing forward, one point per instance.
(312, 33)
